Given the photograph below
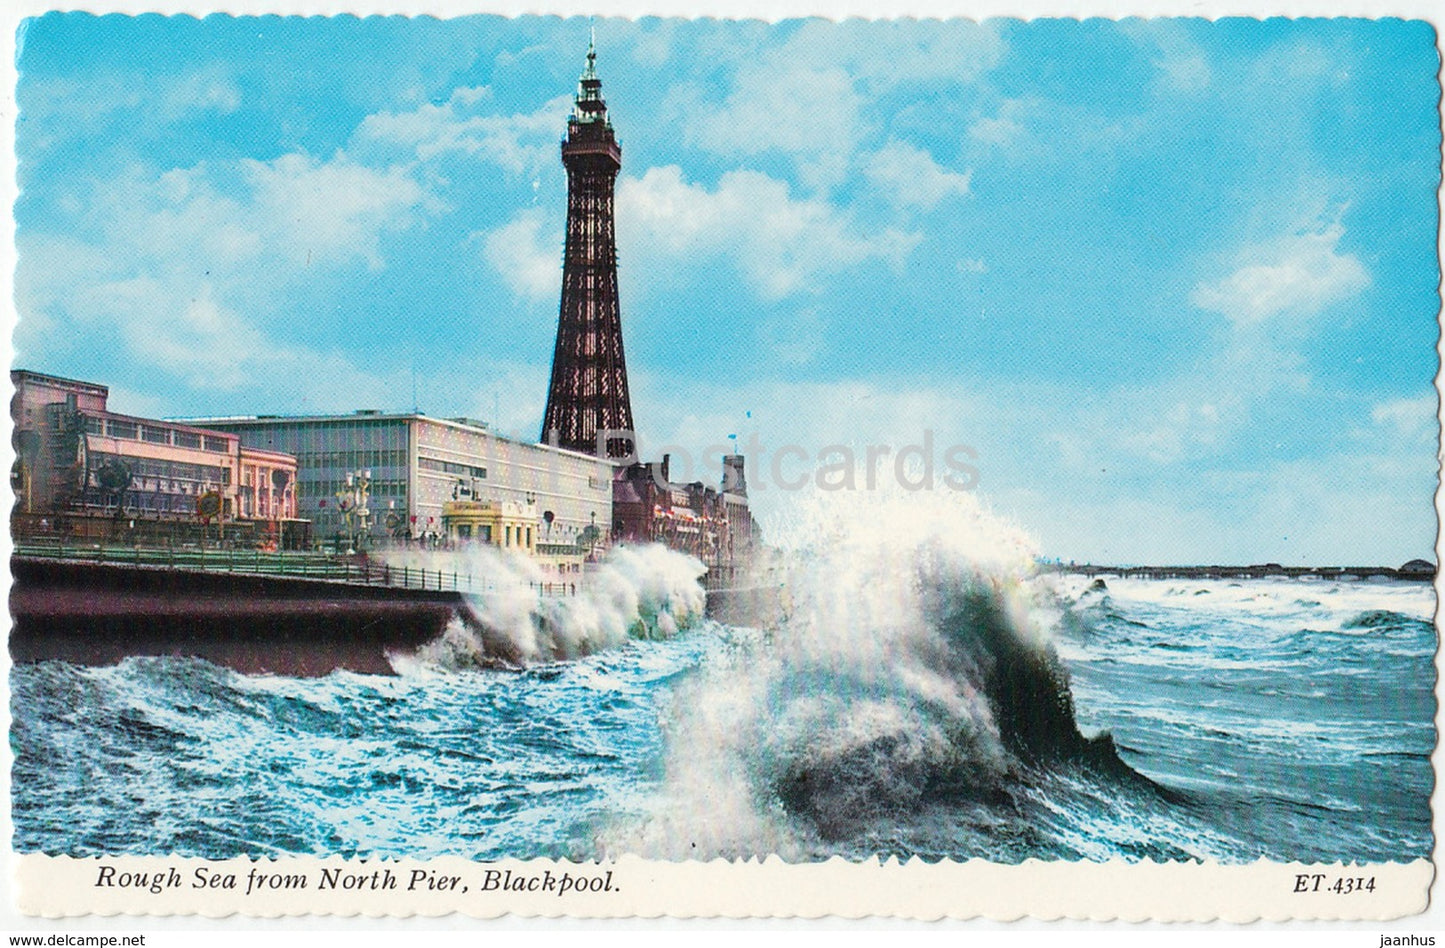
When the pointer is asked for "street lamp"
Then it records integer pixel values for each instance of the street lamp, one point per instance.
(353, 501)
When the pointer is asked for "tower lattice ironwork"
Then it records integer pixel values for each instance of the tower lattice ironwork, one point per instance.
(588, 394)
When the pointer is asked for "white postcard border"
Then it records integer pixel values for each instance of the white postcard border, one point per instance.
(36, 887)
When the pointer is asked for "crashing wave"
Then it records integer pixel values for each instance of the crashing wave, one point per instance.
(637, 592)
(914, 670)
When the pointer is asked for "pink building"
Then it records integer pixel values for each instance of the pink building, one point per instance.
(83, 470)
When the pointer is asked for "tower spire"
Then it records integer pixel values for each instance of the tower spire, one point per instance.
(588, 105)
(588, 405)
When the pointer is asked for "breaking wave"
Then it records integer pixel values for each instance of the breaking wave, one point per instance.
(912, 680)
(1379, 619)
(521, 618)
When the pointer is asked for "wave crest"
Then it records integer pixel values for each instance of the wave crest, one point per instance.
(645, 592)
(914, 670)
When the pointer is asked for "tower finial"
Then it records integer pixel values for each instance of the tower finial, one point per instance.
(588, 106)
(591, 72)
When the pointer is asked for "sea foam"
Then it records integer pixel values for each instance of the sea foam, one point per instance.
(525, 615)
(911, 667)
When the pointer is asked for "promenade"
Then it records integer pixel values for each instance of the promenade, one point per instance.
(352, 569)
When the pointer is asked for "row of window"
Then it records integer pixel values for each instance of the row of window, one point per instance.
(352, 460)
(287, 430)
(146, 502)
(154, 434)
(328, 489)
(170, 470)
(450, 467)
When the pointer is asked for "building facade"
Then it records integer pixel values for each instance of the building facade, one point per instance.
(713, 525)
(371, 478)
(506, 526)
(83, 470)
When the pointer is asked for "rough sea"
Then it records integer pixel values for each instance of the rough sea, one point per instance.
(923, 694)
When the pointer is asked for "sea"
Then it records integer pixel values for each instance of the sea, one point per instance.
(924, 691)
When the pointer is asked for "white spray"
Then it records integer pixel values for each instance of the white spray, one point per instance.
(870, 695)
(518, 614)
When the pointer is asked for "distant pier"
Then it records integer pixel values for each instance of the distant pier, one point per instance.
(1415, 571)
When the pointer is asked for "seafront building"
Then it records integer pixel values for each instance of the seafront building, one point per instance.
(713, 525)
(83, 471)
(369, 479)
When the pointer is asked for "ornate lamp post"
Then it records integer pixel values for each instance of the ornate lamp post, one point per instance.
(353, 501)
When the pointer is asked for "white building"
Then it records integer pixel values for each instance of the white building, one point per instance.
(416, 464)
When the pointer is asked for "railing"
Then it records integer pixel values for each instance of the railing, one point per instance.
(352, 570)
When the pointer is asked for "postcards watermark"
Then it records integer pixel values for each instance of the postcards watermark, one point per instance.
(753, 465)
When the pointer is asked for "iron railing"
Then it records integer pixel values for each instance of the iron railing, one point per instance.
(352, 570)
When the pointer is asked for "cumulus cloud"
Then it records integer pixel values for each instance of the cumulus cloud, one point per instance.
(336, 208)
(813, 114)
(814, 98)
(911, 177)
(145, 98)
(295, 209)
(1300, 274)
(1169, 433)
(519, 143)
(781, 244)
(1181, 63)
(527, 261)
(186, 269)
(1409, 418)
(1002, 129)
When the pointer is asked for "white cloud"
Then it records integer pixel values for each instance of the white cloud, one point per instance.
(187, 269)
(913, 178)
(1003, 129)
(1167, 434)
(207, 90)
(1409, 418)
(812, 114)
(529, 264)
(812, 97)
(782, 244)
(140, 97)
(334, 208)
(1297, 275)
(196, 339)
(885, 55)
(518, 143)
(294, 211)
(1181, 63)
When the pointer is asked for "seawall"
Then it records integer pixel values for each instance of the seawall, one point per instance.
(100, 613)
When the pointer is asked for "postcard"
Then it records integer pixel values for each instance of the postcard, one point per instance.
(634, 467)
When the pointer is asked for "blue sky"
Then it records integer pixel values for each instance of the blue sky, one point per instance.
(1174, 281)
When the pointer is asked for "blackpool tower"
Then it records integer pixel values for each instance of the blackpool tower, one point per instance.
(588, 393)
